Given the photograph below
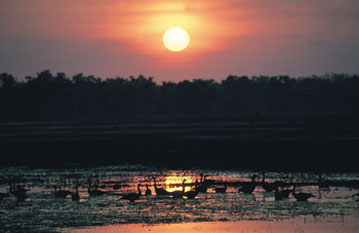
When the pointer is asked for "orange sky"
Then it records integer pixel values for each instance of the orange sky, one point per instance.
(110, 38)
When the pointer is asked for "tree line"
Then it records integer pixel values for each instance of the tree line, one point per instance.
(57, 97)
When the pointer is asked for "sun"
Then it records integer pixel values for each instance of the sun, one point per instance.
(175, 39)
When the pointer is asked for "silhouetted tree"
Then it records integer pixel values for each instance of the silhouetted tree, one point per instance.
(48, 97)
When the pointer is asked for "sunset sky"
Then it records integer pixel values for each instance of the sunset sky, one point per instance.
(111, 38)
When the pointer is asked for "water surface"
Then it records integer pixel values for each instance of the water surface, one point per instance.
(298, 225)
(42, 212)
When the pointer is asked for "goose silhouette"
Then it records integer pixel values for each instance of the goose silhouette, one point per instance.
(116, 186)
(178, 194)
(19, 193)
(221, 190)
(202, 186)
(268, 187)
(301, 196)
(75, 195)
(322, 185)
(248, 188)
(132, 196)
(148, 191)
(282, 194)
(192, 193)
(159, 191)
(61, 193)
(95, 192)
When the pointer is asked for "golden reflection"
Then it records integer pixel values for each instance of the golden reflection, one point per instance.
(299, 225)
(174, 183)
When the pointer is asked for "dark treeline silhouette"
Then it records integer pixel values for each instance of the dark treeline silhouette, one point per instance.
(284, 123)
(49, 97)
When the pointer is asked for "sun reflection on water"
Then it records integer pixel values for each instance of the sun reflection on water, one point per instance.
(174, 182)
(47, 212)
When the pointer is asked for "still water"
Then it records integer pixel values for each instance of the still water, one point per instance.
(298, 225)
(331, 210)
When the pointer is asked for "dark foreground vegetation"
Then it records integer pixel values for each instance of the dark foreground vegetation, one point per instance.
(272, 123)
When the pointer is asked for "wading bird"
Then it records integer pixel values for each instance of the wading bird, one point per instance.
(178, 194)
(282, 194)
(268, 187)
(19, 188)
(61, 193)
(322, 185)
(202, 186)
(221, 190)
(19, 193)
(75, 195)
(95, 192)
(249, 187)
(159, 191)
(132, 196)
(302, 196)
(148, 191)
(192, 193)
(116, 186)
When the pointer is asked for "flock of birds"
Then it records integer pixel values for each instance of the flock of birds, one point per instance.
(200, 187)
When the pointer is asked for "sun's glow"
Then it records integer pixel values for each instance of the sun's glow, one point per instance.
(175, 39)
(174, 182)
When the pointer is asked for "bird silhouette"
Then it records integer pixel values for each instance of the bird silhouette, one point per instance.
(268, 187)
(19, 188)
(178, 194)
(95, 192)
(75, 195)
(202, 186)
(116, 186)
(19, 193)
(61, 193)
(302, 196)
(148, 191)
(322, 185)
(132, 196)
(192, 193)
(248, 187)
(221, 190)
(282, 194)
(208, 181)
(159, 191)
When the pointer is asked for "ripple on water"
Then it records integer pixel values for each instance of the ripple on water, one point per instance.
(43, 212)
